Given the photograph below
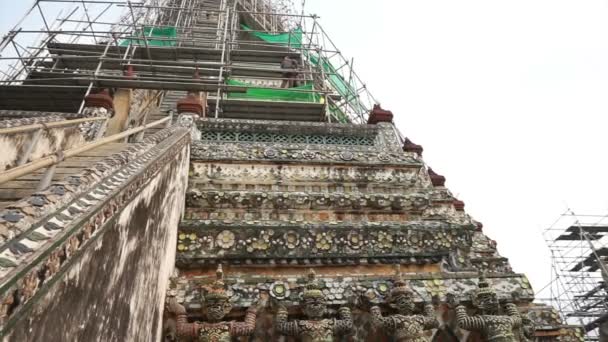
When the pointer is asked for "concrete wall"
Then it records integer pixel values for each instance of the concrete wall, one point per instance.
(114, 289)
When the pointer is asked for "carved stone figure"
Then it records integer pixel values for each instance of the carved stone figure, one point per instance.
(217, 305)
(488, 321)
(405, 326)
(315, 328)
(189, 120)
(527, 329)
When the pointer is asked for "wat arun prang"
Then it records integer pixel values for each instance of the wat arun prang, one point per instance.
(390, 253)
(272, 204)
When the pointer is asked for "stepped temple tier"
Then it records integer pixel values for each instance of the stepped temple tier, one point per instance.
(215, 170)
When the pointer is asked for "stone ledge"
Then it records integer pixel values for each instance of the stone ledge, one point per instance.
(415, 200)
(244, 288)
(201, 242)
(288, 127)
(308, 154)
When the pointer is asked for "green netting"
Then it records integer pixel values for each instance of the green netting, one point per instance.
(292, 38)
(296, 94)
(165, 36)
(339, 84)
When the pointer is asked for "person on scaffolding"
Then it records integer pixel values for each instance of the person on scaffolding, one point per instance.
(289, 77)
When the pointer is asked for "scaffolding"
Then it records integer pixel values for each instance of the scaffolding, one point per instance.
(62, 50)
(579, 251)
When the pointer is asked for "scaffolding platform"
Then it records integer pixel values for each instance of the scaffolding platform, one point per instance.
(579, 250)
(271, 110)
(261, 56)
(173, 45)
(152, 53)
(137, 82)
(41, 98)
(68, 63)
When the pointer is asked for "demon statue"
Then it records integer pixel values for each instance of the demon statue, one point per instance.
(404, 326)
(488, 321)
(315, 328)
(217, 305)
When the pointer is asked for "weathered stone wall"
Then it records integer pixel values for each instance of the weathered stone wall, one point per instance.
(113, 284)
(49, 142)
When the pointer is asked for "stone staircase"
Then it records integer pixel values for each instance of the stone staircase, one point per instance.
(25, 186)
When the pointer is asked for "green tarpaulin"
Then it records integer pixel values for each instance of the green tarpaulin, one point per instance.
(342, 87)
(155, 36)
(302, 93)
(292, 38)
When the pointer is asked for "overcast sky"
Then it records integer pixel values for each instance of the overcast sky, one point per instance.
(508, 99)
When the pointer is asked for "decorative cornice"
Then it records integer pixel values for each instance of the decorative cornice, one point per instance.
(379, 115)
(410, 202)
(296, 153)
(288, 127)
(436, 179)
(339, 290)
(409, 146)
(209, 240)
(210, 174)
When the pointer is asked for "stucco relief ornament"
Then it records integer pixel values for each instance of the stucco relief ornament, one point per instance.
(347, 156)
(324, 240)
(225, 239)
(385, 240)
(292, 239)
(488, 321)
(405, 325)
(279, 290)
(306, 154)
(217, 306)
(271, 153)
(384, 157)
(315, 328)
(354, 240)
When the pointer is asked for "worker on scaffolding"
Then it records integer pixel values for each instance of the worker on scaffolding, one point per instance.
(290, 72)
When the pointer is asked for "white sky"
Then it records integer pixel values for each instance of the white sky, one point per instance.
(508, 99)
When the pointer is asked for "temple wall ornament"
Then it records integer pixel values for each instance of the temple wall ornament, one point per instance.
(340, 290)
(258, 174)
(216, 305)
(404, 325)
(314, 328)
(489, 322)
(415, 201)
(211, 239)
